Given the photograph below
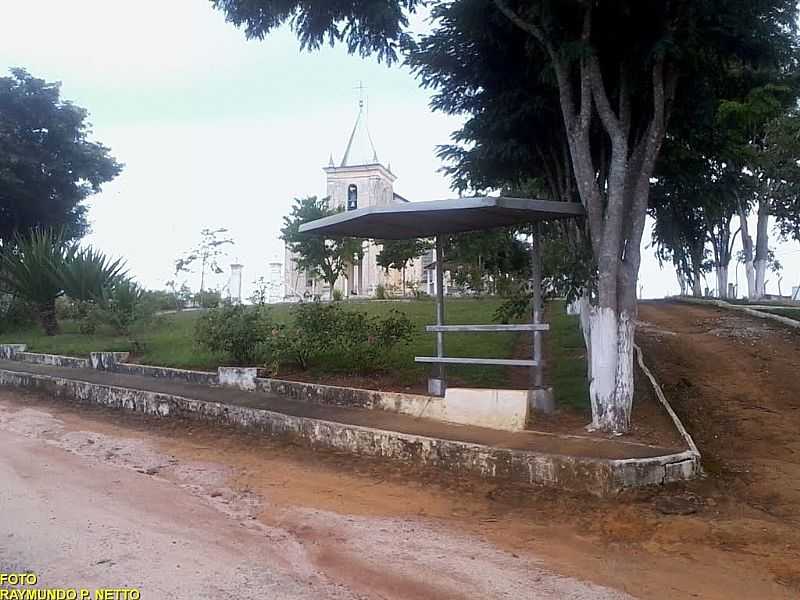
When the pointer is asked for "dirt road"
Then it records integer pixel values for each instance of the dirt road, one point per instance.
(86, 505)
(91, 498)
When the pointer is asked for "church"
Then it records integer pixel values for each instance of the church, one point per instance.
(359, 181)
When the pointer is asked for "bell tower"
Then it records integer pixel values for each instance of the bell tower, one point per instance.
(361, 180)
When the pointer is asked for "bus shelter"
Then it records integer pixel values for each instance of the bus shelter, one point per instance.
(435, 219)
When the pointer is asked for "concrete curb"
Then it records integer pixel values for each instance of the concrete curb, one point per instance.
(596, 476)
(667, 406)
(745, 309)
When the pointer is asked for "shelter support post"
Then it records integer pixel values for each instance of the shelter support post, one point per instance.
(437, 384)
(540, 398)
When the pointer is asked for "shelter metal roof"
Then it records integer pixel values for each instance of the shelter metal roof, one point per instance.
(426, 219)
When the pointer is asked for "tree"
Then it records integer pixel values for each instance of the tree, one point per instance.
(208, 252)
(326, 258)
(679, 232)
(616, 68)
(48, 166)
(396, 254)
(766, 159)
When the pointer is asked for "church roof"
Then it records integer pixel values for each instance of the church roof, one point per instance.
(360, 149)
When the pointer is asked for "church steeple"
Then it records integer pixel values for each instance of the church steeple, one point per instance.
(360, 149)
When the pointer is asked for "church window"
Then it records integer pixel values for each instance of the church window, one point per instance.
(352, 197)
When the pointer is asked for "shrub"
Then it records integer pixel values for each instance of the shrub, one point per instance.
(208, 299)
(241, 333)
(380, 292)
(337, 295)
(161, 300)
(126, 305)
(337, 338)
(14, 313)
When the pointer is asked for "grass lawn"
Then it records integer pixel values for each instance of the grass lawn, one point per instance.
(566, 358)
(169, 341)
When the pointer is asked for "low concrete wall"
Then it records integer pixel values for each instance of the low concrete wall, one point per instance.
(241, 378)
(9, 351)
(107, 361)
(597, 476)
(429, 407)
(201, 377)
(53, 359)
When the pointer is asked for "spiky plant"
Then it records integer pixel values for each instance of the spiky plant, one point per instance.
(87, 275)
(30, 268)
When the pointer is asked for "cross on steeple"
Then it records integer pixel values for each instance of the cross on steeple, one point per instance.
(360, 87)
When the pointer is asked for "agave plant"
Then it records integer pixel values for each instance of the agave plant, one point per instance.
(30, 268)
(87, 275)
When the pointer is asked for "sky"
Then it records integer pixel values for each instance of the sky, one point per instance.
(218, 131)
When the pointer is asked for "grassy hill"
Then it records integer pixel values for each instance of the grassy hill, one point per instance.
(169, 341)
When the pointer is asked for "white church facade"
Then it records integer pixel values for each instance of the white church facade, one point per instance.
(360, 180)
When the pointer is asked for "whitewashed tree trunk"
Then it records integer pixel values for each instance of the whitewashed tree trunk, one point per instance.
(722, 280)
(747, 250)
(762, 249)
(681, 283)
(616, 203)
(761, 278)
(611, 383)
(584, 310)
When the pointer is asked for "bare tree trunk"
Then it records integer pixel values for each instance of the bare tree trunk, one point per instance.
(46, 314)
(747, 249)
(762, 248)
(697, 287)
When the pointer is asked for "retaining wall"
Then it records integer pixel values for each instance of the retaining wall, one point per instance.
(597, 476)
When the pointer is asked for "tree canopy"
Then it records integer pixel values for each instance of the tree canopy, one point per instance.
(48, 165)
(316, 256)
(577, 91)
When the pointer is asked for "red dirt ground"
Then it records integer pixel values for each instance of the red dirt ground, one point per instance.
(732, 379)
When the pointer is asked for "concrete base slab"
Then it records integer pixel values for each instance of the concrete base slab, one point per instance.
(436, 387)
(542, 400)
(499, 409)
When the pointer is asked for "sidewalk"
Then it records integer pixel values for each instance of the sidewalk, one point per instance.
(529, 441)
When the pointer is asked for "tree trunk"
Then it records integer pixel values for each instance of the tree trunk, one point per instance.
(762, 249)
(697, 288)
(721, 271)
(586, 328)
(747, 250)
(616, 202)
(47, 317)
(681, 282)
(611, 359)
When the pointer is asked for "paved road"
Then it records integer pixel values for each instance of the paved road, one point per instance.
(85, 504)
